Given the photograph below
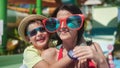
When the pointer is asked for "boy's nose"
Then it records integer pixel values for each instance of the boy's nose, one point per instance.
(38, 32)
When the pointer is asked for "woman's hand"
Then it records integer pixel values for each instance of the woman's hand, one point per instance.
(87, 52)
(93, 52)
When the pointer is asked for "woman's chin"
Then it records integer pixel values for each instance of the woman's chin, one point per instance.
(65, 37)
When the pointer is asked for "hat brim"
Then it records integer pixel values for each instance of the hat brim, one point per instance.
(24, 22)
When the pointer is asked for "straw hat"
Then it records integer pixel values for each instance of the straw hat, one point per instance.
(24, 22)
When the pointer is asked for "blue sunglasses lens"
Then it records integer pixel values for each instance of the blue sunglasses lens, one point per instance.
(52, 24)
(74, 22)
(34, 31)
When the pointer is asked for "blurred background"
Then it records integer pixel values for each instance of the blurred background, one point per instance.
(102, 25)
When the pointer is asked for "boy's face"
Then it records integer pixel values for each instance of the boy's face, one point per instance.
(39, 37)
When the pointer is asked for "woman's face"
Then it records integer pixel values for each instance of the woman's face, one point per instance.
(64, 32)
(39, 39)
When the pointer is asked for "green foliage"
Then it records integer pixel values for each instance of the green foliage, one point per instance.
(1, 51)
(12, 34)
(112, 2)
(116, 50)
(118, 33)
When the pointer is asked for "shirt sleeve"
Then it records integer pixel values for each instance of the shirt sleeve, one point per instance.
(31, 56)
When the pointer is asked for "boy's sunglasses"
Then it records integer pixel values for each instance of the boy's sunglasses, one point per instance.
(73, 22)
(34, 31)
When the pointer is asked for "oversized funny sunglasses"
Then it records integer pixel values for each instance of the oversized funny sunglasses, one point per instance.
(73, 22)
(34, 31)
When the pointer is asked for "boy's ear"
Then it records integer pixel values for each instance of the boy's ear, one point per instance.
(27, 38)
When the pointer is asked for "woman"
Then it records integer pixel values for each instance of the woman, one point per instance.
(73, 51)
(31, 30)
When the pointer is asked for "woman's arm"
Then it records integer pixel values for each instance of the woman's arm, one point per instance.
(93, 52)
(50, 56)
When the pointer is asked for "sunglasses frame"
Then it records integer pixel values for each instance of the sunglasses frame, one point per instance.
(64, 20)
(40, 29)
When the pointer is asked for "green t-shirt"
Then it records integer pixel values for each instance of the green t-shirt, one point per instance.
(31, 56)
